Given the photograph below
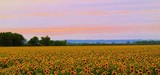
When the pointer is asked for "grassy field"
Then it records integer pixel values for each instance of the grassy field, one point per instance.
(81, 60)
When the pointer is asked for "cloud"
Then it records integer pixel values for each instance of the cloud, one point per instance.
(103, 13)
(74, 16)
(92, 29)
(44, 14)
(19, 9)
(94, 13)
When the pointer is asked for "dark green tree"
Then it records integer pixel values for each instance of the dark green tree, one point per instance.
(45, 41)
(6, 39)
(148, 42)
(59, 43)
(11, 39)
(18, 39)
(34, 41)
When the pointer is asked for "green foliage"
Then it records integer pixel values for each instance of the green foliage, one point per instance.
(45, 41)
(11, 39)
(15, 39)
(59, 43)
(33, 41)
(11, 63)
(148, 42)
(18, 39)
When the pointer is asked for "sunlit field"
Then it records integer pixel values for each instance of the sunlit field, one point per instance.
(80, 60)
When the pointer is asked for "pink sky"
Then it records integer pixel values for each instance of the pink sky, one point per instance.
(82, 19)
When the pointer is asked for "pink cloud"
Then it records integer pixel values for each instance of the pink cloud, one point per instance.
(61, 14)
(90, 29)
(94, 13)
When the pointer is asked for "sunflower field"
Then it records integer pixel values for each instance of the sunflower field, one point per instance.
(80, 60)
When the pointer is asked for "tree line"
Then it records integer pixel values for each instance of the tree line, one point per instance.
(15, 39)
(148, 42)
(141, 42)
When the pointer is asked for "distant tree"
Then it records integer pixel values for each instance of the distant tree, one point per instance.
(59, 43)
(45, 41)
(34, 41)
(11, 39)
(18, 39)
(128, 42)
(6, 39)
(113, 43)
(148, 42)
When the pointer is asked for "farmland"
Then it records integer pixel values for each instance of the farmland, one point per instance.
(81, 60)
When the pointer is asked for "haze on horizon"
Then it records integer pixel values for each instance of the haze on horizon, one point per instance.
(82, 19)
